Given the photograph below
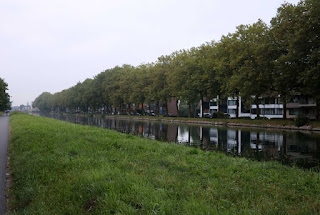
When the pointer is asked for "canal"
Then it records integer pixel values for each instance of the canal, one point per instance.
(297, 148)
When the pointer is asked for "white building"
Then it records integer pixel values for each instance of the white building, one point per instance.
(271, 108)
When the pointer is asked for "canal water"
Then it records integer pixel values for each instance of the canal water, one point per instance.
(297, 148)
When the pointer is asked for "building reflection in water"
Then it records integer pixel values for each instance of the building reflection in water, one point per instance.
(289, 148)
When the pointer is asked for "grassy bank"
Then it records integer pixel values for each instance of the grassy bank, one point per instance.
(275, 123)
(239, 120)
(63, 168)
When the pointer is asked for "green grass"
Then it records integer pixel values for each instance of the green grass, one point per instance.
(63, 168)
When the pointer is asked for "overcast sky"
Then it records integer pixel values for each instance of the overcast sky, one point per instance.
(51, 45)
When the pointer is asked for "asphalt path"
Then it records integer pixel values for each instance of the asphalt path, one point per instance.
(4, 140)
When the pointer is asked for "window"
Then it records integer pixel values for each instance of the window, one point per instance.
(232, 102)
(254, 111)
(213, 103)
(294, 111)
(269, 111)
(231, 111)
(278, 111)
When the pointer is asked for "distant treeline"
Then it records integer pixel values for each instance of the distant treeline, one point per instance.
(4, 96)
(257, 60)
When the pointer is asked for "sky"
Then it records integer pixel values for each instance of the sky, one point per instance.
(49, 46)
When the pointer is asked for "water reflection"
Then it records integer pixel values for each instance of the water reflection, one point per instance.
(288, 148)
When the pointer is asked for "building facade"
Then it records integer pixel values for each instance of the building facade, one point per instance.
(271, 108)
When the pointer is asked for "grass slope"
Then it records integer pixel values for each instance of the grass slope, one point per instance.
(63, 168)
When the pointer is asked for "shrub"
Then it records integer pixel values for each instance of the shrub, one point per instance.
(220, 115)
(139, 110)
(183, 110)
(262, 118)
(301, 120)
(245, 117)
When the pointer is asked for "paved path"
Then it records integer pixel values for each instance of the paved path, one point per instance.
(4, 139)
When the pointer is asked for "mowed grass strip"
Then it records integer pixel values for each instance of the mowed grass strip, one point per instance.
(63, 168)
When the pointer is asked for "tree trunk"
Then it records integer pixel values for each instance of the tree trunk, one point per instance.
(177, 108)
(142, 109)
(123, 109)
(189, 110)
(284, 114)
(158, 108)
(237, 108)
(257, 104)
(167, 111)
(317, 110)
(201, 107)
(129, 108)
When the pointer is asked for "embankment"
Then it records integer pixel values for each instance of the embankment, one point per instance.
(64, 168)
(269, 124)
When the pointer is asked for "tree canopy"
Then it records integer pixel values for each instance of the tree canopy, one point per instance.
(279, 59)
(4, 96)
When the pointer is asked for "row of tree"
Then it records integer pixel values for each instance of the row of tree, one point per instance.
(4, 96)
(257, 60)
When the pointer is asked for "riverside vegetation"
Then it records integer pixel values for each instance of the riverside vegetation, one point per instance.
(4, 96)
(276, 123)
(63, 168)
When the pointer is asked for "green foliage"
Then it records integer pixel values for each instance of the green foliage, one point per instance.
(220, 115)
(183, 110)
(42, 101)
(296, 31)
(285, 75)
(139, 82)
(262, 118)
(255, 61)
(301, 120)
(63, 168)
(4, 96)
(182, 77)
